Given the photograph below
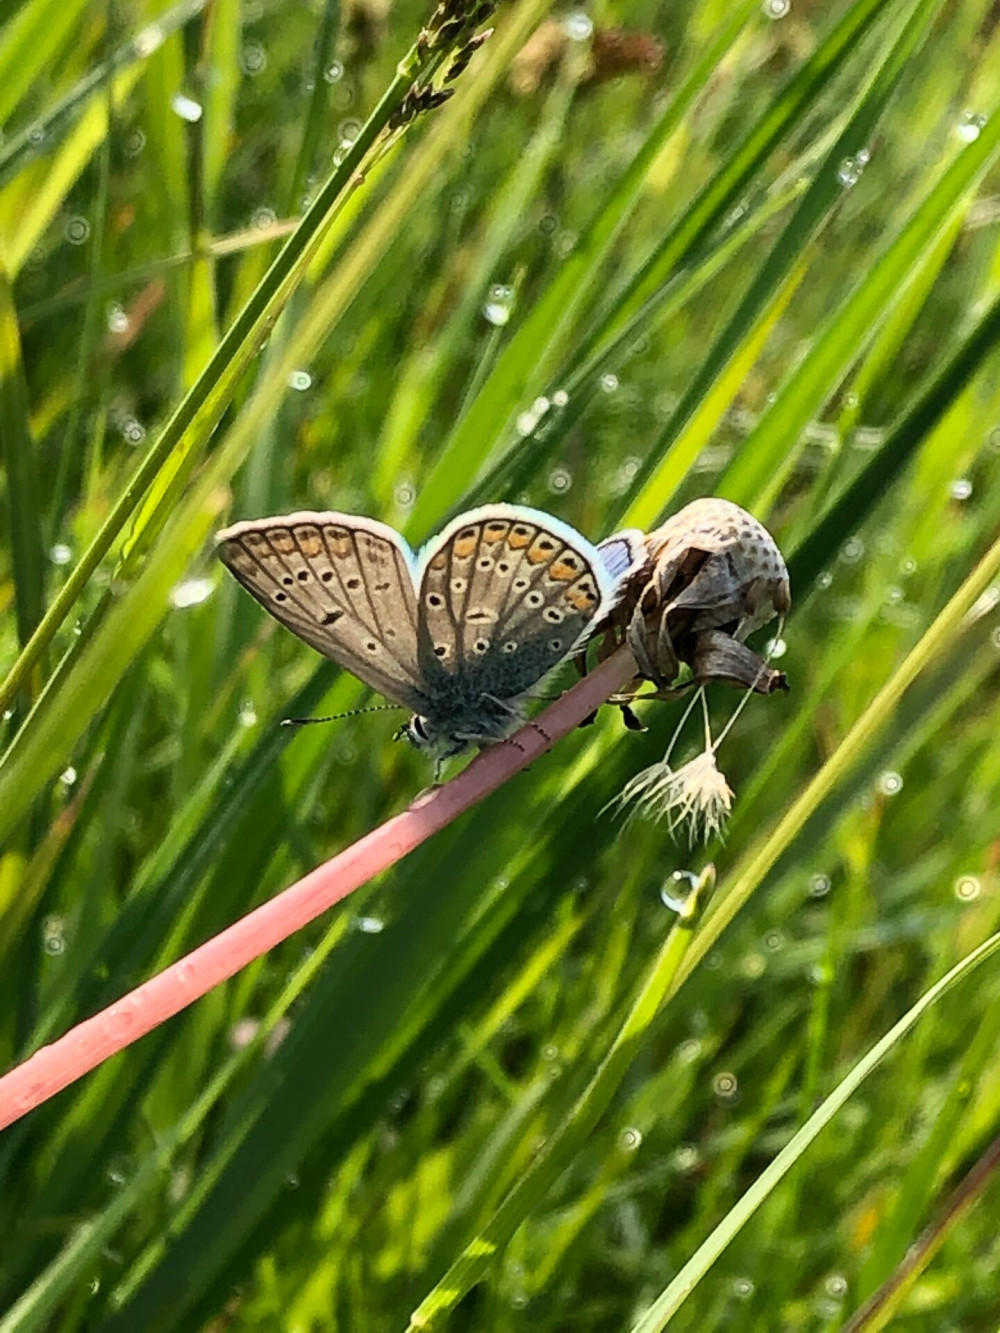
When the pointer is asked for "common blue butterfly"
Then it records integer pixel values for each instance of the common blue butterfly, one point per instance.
(459, 632)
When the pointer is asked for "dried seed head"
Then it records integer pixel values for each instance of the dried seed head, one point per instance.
(743, 560)
(696, 797)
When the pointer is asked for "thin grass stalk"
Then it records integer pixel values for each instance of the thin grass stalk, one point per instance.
(933, 645)
(481, 1252)
(207, 398)
(90, 1043)
(659, 1314)
(884, 1303)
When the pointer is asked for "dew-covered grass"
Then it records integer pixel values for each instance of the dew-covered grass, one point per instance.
(647, 252)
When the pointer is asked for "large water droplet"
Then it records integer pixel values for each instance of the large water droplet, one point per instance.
(499, 305)
(970, 126)
(187, 108)
(578, 26)
(192, 592)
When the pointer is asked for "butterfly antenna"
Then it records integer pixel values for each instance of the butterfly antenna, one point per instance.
(336, 717)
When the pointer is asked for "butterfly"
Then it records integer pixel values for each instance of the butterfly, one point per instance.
(457, 633)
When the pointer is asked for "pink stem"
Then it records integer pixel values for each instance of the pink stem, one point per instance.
(85, 1046)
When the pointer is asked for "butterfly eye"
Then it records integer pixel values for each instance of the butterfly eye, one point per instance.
(435, 600)
(354, 582)
(503, 567)
(287, 580)
(520, 584)
(281, 596)
(509, 647)
(458, 585)
(534, 598)
(555, 644)
(440, 650)
(553, 615)
(327, 575)
(481, 645)
(303, 576)
(485, 563)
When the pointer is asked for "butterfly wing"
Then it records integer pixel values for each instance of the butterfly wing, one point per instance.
(342, 583)
(505, 594)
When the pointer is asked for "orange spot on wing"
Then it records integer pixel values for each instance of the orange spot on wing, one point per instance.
(282, 541)
(465, 546)
(310, 543)
(495, 532)
(563, 570)
(519, 538)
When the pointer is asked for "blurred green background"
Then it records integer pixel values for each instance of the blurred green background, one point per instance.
(647, 252)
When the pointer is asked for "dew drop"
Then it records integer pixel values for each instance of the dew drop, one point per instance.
(300, 380)
(68, 776)
(53, 935)
(970, 126)
(890, 783)
(578, 26)
(334, 72)
(852, 550)
(967, 888)
(118, 321)
(253, 59)
(369, 925)
(135, 143)
(150, 39)
(499, 305)
(61, 554)
(187, 108)
(191, 592)
(775, 9)
(685, 1158)
(725, 1086)
(77, 230)
(743, 1288)
(775, 648)
(264, 218)
(404, 495)
(630, 1139)
(960, 489)
(133, 430)
(609, 382)
(560, 480)
(247, 714)
(675, 891)
(819, 886)
(850, 169)
(835, 1286)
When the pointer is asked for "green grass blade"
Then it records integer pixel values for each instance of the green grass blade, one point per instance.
(660, 1313)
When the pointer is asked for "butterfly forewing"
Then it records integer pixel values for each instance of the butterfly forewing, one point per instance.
(341, 583)
(505, 594)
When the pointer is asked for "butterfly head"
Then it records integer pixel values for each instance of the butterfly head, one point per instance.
(431, 738)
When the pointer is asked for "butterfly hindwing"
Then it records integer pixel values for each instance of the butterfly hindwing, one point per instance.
(343, 584)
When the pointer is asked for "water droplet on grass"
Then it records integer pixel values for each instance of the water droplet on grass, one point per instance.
(499, 305)
(192, 592)
(77, 230)
(187, 108)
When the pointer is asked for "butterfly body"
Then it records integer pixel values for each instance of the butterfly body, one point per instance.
(458, 633)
